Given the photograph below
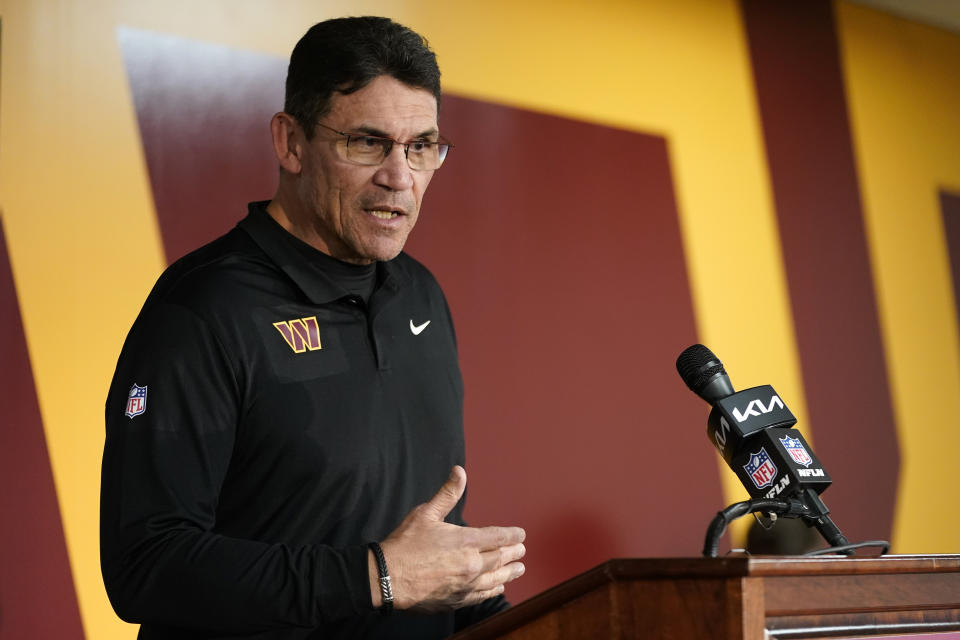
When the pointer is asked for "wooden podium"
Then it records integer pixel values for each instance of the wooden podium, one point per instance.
(749, 598)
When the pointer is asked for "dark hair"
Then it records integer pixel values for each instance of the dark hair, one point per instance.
(345, 55)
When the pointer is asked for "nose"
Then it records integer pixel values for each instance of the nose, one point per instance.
(394, 173)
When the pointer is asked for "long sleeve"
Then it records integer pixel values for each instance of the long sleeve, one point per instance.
(163, 470)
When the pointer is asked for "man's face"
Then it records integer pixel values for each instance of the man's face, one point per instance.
(359, 213)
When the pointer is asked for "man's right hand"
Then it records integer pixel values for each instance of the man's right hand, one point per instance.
(435, 566)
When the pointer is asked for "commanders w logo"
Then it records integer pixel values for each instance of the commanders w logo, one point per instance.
(301, 334)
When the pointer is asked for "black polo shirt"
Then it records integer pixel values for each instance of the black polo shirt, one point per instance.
(263, 425)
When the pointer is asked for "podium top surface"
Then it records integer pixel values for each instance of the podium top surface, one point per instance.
(635, 568)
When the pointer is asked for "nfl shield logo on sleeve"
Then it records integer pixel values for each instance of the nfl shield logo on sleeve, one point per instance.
(136, 401)
(794, 447)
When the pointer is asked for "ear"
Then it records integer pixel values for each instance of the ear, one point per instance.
(288, 141)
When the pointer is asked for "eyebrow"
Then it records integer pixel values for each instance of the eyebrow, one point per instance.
(373, 131)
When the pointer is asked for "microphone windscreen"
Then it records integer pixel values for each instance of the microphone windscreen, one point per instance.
(697, 366)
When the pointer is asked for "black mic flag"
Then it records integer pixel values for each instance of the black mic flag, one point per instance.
(752, 430)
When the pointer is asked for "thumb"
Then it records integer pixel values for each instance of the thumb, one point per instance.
(449, 494)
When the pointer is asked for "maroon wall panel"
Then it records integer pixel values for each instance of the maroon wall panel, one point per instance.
(950, 207)
(558, 245)
(204, 116)
(37, 597)
(796, 63)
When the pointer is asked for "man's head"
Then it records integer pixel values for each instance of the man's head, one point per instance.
(343, 55)
(355, 140)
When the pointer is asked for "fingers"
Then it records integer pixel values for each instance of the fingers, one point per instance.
(489, 538)
(491, 584)
(494, 579)
(479, 596)
(449, 494)
(497, 558)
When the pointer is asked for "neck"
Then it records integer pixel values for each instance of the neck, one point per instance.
(290, 216)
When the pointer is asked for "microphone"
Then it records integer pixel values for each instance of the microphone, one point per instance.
(704, 374)
(752, 431)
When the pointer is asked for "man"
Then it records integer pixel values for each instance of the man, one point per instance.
(290, 393)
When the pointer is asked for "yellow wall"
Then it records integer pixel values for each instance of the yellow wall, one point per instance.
(903, 83)
(85, 248)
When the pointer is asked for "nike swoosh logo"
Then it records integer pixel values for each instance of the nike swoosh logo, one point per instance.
(417, 329)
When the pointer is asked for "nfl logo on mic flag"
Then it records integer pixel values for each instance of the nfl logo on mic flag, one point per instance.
(794, 447)
(761, 469)
(136, 401)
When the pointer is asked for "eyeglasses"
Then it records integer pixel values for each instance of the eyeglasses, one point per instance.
(362, 148)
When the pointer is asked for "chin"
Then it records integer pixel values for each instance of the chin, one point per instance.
(387, 255)
(383, 252)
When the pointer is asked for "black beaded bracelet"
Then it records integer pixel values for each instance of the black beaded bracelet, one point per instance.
(386, 588)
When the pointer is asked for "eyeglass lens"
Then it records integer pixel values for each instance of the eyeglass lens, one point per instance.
(421, 155)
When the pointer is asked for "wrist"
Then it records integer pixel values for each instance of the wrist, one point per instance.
(375, 598)
(381, 586)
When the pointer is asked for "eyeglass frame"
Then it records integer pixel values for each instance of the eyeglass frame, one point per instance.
(406, 147)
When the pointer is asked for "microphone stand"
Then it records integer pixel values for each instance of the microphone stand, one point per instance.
(821, 520)
(807, 505)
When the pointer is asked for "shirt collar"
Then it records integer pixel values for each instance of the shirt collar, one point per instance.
(317, 285)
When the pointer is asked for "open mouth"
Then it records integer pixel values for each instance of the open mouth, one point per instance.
(383, 214)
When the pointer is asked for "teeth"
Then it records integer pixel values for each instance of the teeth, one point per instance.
(385, 215)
